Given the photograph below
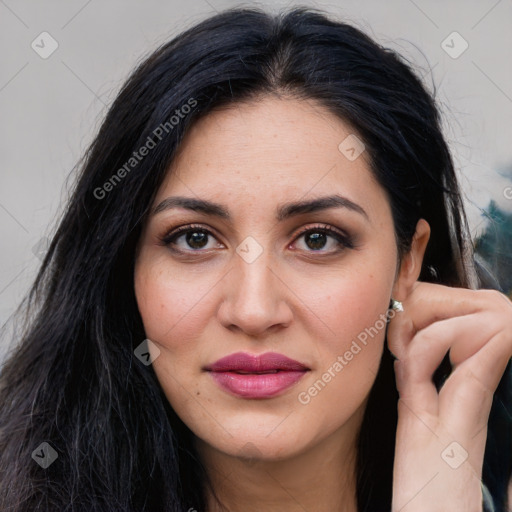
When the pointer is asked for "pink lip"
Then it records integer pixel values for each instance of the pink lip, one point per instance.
(244, 375)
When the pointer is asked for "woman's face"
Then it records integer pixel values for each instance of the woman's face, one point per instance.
(249, 281)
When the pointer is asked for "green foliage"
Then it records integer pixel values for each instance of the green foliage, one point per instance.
(494, 246)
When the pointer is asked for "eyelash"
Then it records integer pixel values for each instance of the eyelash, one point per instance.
(345, 241)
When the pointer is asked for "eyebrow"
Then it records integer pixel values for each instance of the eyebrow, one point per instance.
(284, 211)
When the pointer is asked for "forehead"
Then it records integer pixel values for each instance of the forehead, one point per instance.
(268, 149)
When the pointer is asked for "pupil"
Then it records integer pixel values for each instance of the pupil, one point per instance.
(316, 237)
(195, 237)
(317, 240)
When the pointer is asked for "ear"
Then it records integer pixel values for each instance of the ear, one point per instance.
(410, 267)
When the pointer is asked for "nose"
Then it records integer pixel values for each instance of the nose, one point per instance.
(256, 297)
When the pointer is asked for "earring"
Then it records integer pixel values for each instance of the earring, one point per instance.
(397, 305)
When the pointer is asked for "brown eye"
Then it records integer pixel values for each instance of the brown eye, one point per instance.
(317, 238)
(195, 238)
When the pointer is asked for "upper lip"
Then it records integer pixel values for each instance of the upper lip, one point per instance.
(269, 361)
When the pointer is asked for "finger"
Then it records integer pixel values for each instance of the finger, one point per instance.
(463, 403)
(467, 332)
(465, 399)
(488, 364)
(430, 302)
(425, 352)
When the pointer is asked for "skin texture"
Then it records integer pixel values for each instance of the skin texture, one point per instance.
(306, 301)
(446, 430)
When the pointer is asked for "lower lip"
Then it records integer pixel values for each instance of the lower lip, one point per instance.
(263, 385)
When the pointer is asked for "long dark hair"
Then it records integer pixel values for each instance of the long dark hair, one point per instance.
(73, 380)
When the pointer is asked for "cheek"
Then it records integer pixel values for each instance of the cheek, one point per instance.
(345, 303)
(347, 357)
(348, 344)
(172, 301)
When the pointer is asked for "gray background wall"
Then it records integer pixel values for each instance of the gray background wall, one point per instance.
(51, 107)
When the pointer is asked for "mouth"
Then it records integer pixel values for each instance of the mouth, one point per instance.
(242, 372)
(256, 377)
